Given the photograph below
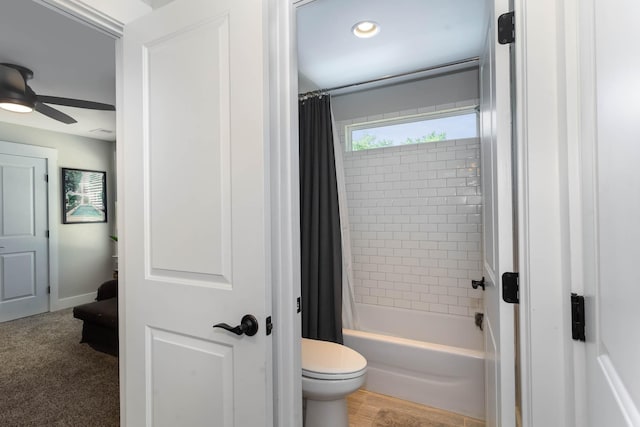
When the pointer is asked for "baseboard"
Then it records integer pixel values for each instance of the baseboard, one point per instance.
(73, 301)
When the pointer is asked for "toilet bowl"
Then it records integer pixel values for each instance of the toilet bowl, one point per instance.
(330, 372)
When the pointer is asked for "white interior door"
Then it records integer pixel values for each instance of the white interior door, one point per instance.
(195, 215)
(612, 229)
(23, 240)
(495, 134)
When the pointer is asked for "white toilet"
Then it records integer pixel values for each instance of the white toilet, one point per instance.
(330, 372)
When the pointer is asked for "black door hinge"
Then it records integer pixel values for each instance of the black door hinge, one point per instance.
(298, 308)
(577, 317)
(269, 325)
(46, 233)
(506, 28)
(46, 177)
(510, 288)
(48, 289)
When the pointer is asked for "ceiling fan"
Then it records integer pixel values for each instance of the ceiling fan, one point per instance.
(17, 96)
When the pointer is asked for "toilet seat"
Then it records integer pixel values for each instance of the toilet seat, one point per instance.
(325, 360)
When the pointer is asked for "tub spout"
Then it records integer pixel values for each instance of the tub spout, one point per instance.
(479, 319)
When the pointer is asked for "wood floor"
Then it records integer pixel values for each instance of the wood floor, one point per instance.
(367, 409)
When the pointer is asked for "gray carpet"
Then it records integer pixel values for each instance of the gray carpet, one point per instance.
(47, 378)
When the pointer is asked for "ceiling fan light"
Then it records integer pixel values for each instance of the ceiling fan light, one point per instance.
(15, 107)
(365, 29)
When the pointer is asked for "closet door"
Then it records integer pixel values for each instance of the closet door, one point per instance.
(24, 246)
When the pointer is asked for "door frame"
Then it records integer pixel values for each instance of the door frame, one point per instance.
(542, 92)
(546, 54)
(53, 208)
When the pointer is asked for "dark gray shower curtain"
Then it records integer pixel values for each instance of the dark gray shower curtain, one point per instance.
(320, 244)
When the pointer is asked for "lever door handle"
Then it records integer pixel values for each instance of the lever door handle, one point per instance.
(248, 326)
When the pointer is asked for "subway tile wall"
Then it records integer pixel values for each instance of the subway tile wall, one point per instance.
(415, 218)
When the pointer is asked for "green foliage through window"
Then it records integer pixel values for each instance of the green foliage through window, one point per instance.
(413, 130)
(368, 141)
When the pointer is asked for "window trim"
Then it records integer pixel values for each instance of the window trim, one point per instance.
(432, 115)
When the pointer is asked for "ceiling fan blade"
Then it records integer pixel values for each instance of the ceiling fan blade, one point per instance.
(78, 103)
(54, 114)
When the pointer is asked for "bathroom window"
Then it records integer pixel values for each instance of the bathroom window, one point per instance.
(416, 129)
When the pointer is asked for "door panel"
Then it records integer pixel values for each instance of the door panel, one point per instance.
(174, 385)
(195, 216)
(23, 241)
(18, 275)
(191, 169)
(612, 230)
(495, 137)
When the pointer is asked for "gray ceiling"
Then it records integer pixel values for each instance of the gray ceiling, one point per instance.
(68, 59)
(414, 34)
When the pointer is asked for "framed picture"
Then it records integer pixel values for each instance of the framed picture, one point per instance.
(84, 196)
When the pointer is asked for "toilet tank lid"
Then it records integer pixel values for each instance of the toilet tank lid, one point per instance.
(326, 357)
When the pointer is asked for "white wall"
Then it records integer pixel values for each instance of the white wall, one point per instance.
(440, 90)
(84, 249)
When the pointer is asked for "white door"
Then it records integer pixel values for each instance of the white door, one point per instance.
(495, 136)
(195, 216)
(23, 239)
(612, 227)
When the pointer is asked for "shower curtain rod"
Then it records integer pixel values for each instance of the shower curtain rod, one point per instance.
(469, 61)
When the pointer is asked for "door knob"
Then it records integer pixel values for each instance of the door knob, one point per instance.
(248, 326)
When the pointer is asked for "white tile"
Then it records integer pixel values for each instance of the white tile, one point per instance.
(460, 311)
(467, 228)
(456, 219)
(447, 228)
(428, 280)
(466, 191)
(384, 284)
(419, 305)
(376, 292)
(402, 269)
(457, 237)
(475, 293)
(402, 252)
(368, 283)
(385, 301)
(447, 191)
(369, 300)
(464, 301)
(401, 303)
(406, 290)
(458, 292)
(377, 275)
(439, 308)
(447, 264)
(447, 299)
(370, 251)
(457, 255)
(448, 281)
(430, 298)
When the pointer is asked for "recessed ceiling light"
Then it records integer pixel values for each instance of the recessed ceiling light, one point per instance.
(365, 29)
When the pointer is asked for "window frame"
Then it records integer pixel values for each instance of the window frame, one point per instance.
(411, 118)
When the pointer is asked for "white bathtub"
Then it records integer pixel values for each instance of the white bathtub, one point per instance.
(427, 358)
